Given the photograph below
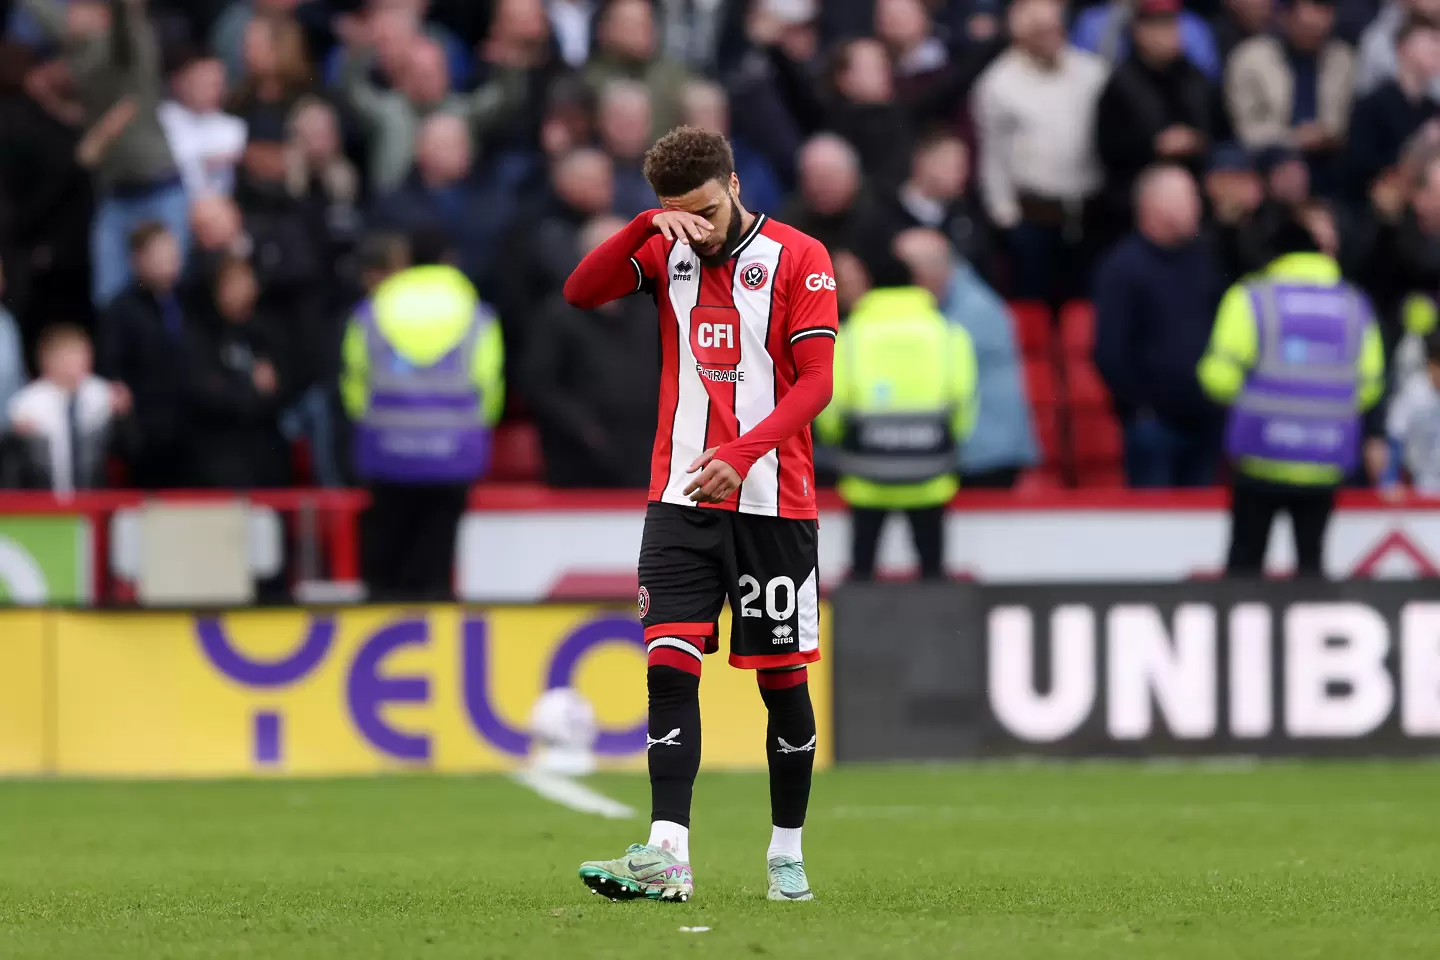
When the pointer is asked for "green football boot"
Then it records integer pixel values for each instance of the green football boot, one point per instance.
(787, 880)
(644, 873)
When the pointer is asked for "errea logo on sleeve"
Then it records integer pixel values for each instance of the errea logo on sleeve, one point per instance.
(819, 281)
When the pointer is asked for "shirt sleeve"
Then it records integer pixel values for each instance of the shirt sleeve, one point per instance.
(811, 307)
(649, 262)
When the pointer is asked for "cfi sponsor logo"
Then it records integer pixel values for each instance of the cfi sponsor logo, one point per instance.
(754, 276)
(819, 281)
(644, 602)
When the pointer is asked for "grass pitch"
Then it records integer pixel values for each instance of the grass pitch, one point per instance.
(995, 862)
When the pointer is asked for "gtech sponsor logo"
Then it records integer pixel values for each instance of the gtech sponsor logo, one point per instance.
(819, 281)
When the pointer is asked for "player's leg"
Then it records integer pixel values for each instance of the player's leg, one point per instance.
(776, 631)
(682, 588)
(790, 751)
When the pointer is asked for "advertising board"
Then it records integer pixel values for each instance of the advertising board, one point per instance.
(345, 691)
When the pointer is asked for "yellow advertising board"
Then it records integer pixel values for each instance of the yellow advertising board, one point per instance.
(357, 690)
(24, 739)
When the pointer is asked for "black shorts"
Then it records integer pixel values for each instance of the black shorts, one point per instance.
(693, 559)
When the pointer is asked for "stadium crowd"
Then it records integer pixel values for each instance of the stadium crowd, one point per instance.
(203, 190)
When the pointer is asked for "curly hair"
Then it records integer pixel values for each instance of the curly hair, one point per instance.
(686, 158)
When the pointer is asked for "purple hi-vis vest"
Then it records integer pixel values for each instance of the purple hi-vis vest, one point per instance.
(1299, 403)
(423, 424)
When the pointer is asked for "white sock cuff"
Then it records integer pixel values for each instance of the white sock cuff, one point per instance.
(785, 842)
(671, 836)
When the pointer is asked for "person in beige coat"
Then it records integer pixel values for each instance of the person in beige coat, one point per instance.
(1267, 77)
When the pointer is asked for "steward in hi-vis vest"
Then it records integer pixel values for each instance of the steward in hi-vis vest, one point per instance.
(1297, 356)
(904, 400)
(422, 382)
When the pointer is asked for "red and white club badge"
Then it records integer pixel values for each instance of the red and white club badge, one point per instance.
(644, 602)
(754, 276)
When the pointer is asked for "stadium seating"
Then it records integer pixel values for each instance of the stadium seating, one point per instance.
(1080, 440)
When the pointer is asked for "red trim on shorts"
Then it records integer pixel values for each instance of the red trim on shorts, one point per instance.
(679, 630)
(768, 662)
(670, 657)
(781, 679)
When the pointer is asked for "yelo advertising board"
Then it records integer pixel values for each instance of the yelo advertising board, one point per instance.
(338, 692)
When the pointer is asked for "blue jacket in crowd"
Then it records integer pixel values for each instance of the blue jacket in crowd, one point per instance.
(1003, 436)
(1154, 309)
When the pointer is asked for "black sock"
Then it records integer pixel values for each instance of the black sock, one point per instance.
(674, 750)
(789, 745)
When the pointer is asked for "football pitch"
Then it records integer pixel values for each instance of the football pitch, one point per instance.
(1276, 861)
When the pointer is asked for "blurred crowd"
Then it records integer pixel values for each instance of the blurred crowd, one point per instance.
(193, 194)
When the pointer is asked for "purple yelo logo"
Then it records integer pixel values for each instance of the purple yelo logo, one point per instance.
(367, 692)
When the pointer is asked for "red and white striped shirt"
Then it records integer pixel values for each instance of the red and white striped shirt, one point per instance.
(728, 336)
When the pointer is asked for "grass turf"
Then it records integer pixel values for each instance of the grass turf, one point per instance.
(1277, 862)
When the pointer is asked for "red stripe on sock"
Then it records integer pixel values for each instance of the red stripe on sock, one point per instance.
(670, 657)
(781, 679)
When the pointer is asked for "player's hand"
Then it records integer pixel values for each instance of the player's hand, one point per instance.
(682, 226)
(717, 479)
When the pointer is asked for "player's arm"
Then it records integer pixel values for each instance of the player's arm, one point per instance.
(621, 265)
(1234, 344)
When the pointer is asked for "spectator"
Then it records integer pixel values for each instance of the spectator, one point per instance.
(63, 418)
(397, 26)
(1234, 192)
(573, 23)
(1156, 107)
(773, 80)
(707, 106)
(1035, 117)
(219, 232)
(1404, 259)
(624, 126)
(862, 107)
(828, 206)
(1390, 114)
(594, 405)
(114, 58)
(12, 358)
(852, 280)
(935, 196)
(1413, 425)
(236, 388)
(277, 75)
(1003, 443)
(1295, 89)
(546, 245)
(229, 37)
(443, 195)
(392, 118)
(919, 57)
(568, 121)
(1238, 21)
(1379, 53)
(692, 30)
(47, 204)
(205, 141)
(627, 49)
(1155, 300)
(1105, 30)
(318, 175)
(143, 344)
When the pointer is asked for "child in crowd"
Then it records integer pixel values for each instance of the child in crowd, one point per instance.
(63, 418)
(207, 142)
(1413, 426)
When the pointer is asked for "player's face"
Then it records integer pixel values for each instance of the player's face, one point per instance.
(717, 202)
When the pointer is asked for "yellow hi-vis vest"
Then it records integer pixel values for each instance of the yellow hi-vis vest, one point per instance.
(904, 399)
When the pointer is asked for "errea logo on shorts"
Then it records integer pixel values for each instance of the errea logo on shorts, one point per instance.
(819, 281)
